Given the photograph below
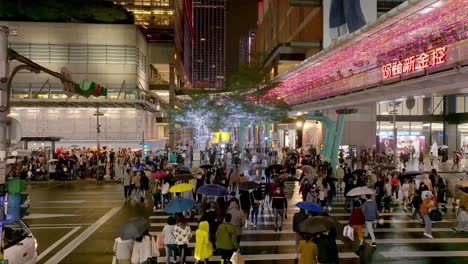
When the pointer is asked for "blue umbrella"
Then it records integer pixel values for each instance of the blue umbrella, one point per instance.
(213, 190)
(179, 205)
(152, 162)
(161, 153)
(309, 206)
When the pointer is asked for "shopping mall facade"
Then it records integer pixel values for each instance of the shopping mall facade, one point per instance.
(116, 56)
(405, 71)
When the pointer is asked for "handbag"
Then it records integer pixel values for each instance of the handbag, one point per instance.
(237, 258)
(348, 232)
(435, 215)
(160, 241)
(154, 253)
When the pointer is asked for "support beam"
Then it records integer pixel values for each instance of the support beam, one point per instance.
(171, 142)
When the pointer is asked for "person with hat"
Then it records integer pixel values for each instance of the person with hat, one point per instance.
(424, 211)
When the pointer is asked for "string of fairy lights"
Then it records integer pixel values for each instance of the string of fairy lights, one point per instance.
(431, 24)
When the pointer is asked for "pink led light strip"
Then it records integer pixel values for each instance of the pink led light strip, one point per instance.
(346, 70)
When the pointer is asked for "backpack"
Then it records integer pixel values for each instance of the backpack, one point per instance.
(435, 215)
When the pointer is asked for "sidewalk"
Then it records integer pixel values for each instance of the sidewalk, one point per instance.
(442, 167)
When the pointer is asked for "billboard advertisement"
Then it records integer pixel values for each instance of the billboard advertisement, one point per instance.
(341, 17)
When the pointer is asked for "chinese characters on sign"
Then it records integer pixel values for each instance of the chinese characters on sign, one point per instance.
(422, 61)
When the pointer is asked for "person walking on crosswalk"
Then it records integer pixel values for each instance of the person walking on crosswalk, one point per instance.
(371, 214)
(424, 210)
(238, 219)
(298, 218)
(357, 220)
(182, 234)
(203, 248)
(226, 241)
(279, 204)
(308, 250)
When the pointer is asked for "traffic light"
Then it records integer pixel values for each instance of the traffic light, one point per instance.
(88, 88)
(145, 149)
(321, 147)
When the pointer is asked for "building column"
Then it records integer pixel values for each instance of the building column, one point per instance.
(241, 138)
(172, 108)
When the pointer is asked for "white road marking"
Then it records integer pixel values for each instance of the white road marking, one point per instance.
(57, 243)
(39, 216)
(424, 254)
(421, 240)
(262, 243)
(260, 257)
(51, 227)
(97, 193)
(399, 221)
(61, 202)
(82, 237)
(46, 225)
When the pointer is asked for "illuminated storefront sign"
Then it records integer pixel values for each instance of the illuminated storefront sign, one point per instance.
(422, 61)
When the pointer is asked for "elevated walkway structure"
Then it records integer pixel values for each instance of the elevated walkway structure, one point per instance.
(418, 48)
(54, 97)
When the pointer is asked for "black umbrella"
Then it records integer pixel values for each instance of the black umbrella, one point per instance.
(133, 228)
(359, 171)
(326, 221)
(387, 167)
(206, 166)
(250, 185)
(183, 177)
(411, 174)
(276, 167)
(315, 228)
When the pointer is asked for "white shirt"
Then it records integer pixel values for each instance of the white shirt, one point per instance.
(144, 250)
(123, 248)
(168, 234)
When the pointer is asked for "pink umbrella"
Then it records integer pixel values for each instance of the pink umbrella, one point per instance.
(159, 174)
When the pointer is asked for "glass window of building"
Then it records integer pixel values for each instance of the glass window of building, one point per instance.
(437, 133)
(438, 105)
(460, 104)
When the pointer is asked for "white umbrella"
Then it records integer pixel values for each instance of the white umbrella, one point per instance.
(425, 193)
(443, 146)
(52, 160)
(360, 191)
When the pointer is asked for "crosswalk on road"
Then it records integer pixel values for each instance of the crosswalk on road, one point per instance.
(399, 238)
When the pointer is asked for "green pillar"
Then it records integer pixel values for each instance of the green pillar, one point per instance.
(337, 141)
(241, 138)
(330, 131)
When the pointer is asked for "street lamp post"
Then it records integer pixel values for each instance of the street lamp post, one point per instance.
(97, 114)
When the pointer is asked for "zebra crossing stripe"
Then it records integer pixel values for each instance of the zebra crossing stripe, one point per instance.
(423, 254)
(419, 240)
(267, 257)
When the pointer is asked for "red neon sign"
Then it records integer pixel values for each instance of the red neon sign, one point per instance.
(422, 61)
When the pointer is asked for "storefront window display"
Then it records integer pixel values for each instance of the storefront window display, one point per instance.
(463, 134)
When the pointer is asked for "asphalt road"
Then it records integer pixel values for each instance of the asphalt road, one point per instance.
(76, 222)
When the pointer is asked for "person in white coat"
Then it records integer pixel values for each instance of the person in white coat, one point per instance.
(144, 248)
(123, 250)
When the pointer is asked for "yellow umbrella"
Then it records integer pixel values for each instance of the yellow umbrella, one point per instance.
(93, 148)
(182, 187)
(462, 183)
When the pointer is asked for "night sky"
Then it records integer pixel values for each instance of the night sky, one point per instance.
(241, 17)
